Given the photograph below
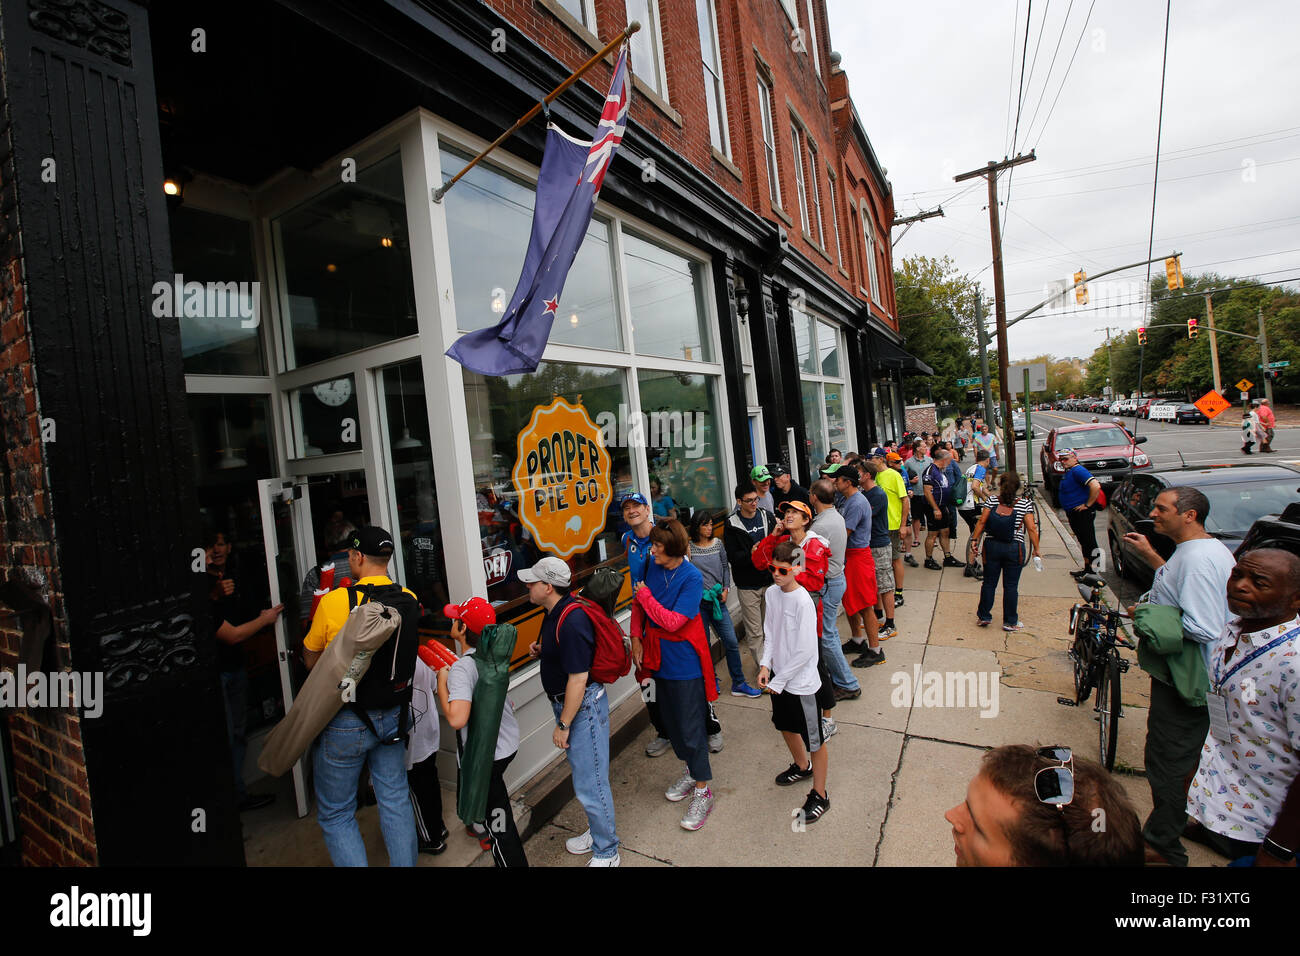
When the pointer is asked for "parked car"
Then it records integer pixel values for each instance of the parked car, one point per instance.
(1107, 450)
(1239, 494)
(1142, 407)
(1274, 531)
(1188, 414)
(1018, 424)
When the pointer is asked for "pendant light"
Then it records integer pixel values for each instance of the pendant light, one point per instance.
(406, 441)
(229, 459)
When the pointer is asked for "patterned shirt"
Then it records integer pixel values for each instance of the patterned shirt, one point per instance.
(1241, 783)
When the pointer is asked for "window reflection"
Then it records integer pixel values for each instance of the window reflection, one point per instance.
(683, 448)
(208, 248)
(666, 295)
(327, 417)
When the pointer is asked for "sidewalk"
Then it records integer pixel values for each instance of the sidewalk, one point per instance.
(895, 766)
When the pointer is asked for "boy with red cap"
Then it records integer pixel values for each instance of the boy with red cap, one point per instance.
(472, 692)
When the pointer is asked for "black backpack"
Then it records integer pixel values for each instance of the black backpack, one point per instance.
(389, 681)
(603, 588)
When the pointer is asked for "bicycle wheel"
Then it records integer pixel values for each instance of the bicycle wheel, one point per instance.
(1108, 705)
(1082, 684)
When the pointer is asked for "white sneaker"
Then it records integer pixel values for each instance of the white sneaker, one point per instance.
(579, 845)
(659, 745)
(715, 743)
(829, 728)
(682, 789)
(605, 860)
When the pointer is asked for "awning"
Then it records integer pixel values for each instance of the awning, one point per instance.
(888, 355)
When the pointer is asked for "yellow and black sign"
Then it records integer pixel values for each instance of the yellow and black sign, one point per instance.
(1245, 385)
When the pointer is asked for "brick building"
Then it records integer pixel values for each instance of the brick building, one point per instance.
(736, 275)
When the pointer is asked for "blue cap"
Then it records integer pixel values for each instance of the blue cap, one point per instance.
(635, 498)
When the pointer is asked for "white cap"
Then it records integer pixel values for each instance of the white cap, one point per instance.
(549, 570)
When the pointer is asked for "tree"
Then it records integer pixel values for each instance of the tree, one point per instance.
(936, 306)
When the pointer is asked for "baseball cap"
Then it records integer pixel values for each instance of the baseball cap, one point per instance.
(832, 469)
(1065, 452)
(846, 471)
(777, 470)
(635, 498)
(797, 506)
(879, 451)
(893, 456)
(372, 541)
(549, 570)
(477, 613)
(760, 473)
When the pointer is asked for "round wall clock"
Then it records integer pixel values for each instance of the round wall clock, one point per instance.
(334, 393)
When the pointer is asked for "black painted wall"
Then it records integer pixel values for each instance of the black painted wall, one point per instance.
(81, 88)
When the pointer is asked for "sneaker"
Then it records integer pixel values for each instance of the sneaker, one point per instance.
(843, 693)
(980, 622)
(969, 572)
(888, 630)
(869, 657)
(854, 645)
(1079, 575)
(682, 788)
(433, 847)
(579, 845)
(699, 810)
(829, 728)
(742, 689)
(715, 743)
(950, 562)
(1013, 627)
(814, 807)
(658, 746)
(792, 774)
(910, 562)
(614, 860)
(898, 595)
(933, 565)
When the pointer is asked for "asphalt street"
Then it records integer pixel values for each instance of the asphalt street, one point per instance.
(1169, 447)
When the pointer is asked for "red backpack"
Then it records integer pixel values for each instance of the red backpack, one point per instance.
(613, 658)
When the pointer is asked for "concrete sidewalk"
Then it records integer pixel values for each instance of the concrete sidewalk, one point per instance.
(896, 765)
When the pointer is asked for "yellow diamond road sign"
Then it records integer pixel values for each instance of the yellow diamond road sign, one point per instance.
(1245, 385)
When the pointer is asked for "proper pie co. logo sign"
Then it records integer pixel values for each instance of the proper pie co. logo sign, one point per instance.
(562, 475)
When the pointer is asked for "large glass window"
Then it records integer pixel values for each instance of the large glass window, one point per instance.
(220, 317)
(647, 45)
(489, 219)
(869, 248)
(814, 424)
(796, 140)
(499, 409)
(828, 350)
(326, 417)
(347, 266)
(666, 294)
(714, 93)
(683, 446)
(769, 142)
(822, 386)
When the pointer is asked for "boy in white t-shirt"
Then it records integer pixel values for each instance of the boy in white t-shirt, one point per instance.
(788, 672)
(977, 494)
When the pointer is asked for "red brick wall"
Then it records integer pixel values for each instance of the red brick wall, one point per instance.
(53, 791)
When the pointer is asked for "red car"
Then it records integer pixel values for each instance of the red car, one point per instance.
(1107, 450)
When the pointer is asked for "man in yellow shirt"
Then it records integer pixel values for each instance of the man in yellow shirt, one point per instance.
(900, 524)
(371, 731)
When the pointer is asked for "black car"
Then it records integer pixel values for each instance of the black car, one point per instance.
(1239, 495)
(1275, 531)
(1188, 414)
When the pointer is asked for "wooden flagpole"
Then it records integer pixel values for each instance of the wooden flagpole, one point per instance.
(632, 28)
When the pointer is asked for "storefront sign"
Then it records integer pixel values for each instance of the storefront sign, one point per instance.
(496, 565)
(562, 475)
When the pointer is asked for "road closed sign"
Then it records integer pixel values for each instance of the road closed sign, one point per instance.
(562, 476)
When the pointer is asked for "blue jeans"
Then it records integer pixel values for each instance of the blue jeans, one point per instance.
(342, 748)
(726, 631)
(588, 755)
(832, 650)
(1001, 558)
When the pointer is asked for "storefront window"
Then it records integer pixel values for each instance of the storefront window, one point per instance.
(803, 340)
(837, 433)
(666, 294)
(501, 421)
(828, 350)
(347, 266)
(220, 317)
(682, 441)
(415, 497)
(327, 418)
(812, 417)
(489, 219)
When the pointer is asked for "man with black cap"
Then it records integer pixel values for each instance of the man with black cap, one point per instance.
(785, 488)
(373, 730)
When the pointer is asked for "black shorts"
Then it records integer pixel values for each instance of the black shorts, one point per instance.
(826, 693)
(971, 518)
(918, 509)
(946, 518)
(798, 714)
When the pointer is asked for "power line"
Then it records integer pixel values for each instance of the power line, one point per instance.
(1020, 96)
(1065, 76)
(1011, 82)
(1160, 122)
(1047, 81)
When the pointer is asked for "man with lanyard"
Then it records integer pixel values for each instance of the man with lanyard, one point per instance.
(859, 570)
(785, 488)
(976, 494)
(939, 517)
(1195, 581)
(1254, 670)
(1077, 493)
(581, 706)
(989, 442)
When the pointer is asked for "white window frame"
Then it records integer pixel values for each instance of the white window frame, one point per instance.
(869, 249)
(713, 76)
(816, 205)
(801, 186)
(587, 20)
(791, 10)
(811, 40)
(659, 81)
(835, 219)
(842, 380)
(769, 141)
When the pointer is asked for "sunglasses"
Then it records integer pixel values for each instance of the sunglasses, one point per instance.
(782, 571)
(1055, 785)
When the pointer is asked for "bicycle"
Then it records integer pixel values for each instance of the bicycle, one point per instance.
(1097, 663)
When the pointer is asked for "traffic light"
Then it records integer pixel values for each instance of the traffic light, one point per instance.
(1173, 273)
(1191, 328)
(1142, 336)
(1081, 293)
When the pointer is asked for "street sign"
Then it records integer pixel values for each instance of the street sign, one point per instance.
(1212, 404)
(1245, 385)
(1276, 365)
(962, 382)
(1037, 377)
(1245, 395)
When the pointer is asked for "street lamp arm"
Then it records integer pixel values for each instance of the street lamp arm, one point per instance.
(1131, 265)
(1183, 325)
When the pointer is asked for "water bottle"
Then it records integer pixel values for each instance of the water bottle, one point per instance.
(1038, 563)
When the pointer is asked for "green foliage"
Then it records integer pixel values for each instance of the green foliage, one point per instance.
(936, 306)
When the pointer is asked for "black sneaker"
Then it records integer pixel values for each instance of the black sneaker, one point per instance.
(434, 847)
(855, 646)
(843, 693)
(933, 565)
(869, 658)
(1078, 575)
(814, 807)
(969, 572)
(910, 561)
(898, 598)
(950, 562)
(792, 775)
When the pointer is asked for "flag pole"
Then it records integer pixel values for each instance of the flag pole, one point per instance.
(632, 28)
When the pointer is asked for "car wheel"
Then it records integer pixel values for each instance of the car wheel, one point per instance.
(1117, 558)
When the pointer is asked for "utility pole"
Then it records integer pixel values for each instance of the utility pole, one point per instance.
(990, 174)
(1263, 352)
(982, 337)
(1214, 345)
(909, 221)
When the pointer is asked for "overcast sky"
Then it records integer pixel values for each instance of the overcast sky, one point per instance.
(931, 82)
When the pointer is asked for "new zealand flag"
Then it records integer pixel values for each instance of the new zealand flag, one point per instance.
(570, 180)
